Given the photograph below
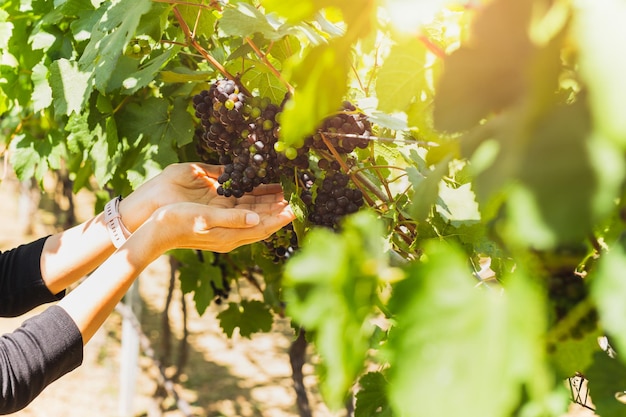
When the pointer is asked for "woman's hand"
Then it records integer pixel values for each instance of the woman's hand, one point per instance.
(177, 183)
(221, 224)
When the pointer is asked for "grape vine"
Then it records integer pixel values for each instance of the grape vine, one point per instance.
(244, 131)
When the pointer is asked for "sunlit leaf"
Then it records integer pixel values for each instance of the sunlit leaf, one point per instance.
(490, 72)
(115, 28)
(600, 33)
(321, 81)
(463, 340)
(70, 86)
(400, 79)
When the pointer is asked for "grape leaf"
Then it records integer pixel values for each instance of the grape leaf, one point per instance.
(135, 78)
(607, 378)
(572, 355)
(557, 203)
(333, 299)
(245, 20)
(458, 205)
(196, 274)
(425, 189)
(463, 340)
(608, 290)
(42, 93)
(109, 35)
(371, 399)
(250, 316)
(401, 77)
(599, 32)
(32, 157)
(266, 82)
(321, 80)
(155, 120)
(489, 73)
(205, 18)
(70, 86)
(183, 75)
(6, 30)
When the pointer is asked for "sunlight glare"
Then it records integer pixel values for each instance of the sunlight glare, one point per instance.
(410, 15)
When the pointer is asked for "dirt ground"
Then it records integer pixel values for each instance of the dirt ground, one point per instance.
(223, 377)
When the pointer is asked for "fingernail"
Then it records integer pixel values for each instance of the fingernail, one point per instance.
(252, 219)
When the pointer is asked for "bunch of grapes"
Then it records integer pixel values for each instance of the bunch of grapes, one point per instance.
(345, 130)
(565, 291)
(243, 131)
(335, 199)
(220, 110)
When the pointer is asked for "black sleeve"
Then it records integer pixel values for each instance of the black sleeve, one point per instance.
(43, 349)
(21, 285)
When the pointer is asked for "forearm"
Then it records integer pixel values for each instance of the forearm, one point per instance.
(70, 255)
(91, 302)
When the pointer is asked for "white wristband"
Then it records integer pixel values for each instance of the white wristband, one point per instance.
(117, 231)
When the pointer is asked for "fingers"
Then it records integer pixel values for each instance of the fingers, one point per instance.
(269, 225)
(227, 218)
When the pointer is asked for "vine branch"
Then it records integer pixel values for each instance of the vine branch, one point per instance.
(269, 65)
(191, 41)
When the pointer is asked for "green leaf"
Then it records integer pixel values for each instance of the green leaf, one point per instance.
(245, 20)
(250, 316)
(599, 32)
(321, 79)
(206, 18)
(608, 289)
(196, 275)
(183, 75)
(155, 120)
(458, 205)
(110, 34)
(6, 30)
(267, 84)
(488, 74)
(425, 189)
(42, 93)
(32, 157)
(147, 73)
(71, 87)
(295, 11)
(335, 298)
(452, 337)
(559, 176)
(401, 77)
(575, 355)
(607, 378)
(371, 400)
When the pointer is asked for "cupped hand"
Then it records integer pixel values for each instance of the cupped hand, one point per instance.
(177, 183)
(222, 224)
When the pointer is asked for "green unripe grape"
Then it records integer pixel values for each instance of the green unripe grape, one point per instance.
(245, 133)
(280, 146)
(229, 104)
(268, 125)
(255, 112)
(291, 153)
